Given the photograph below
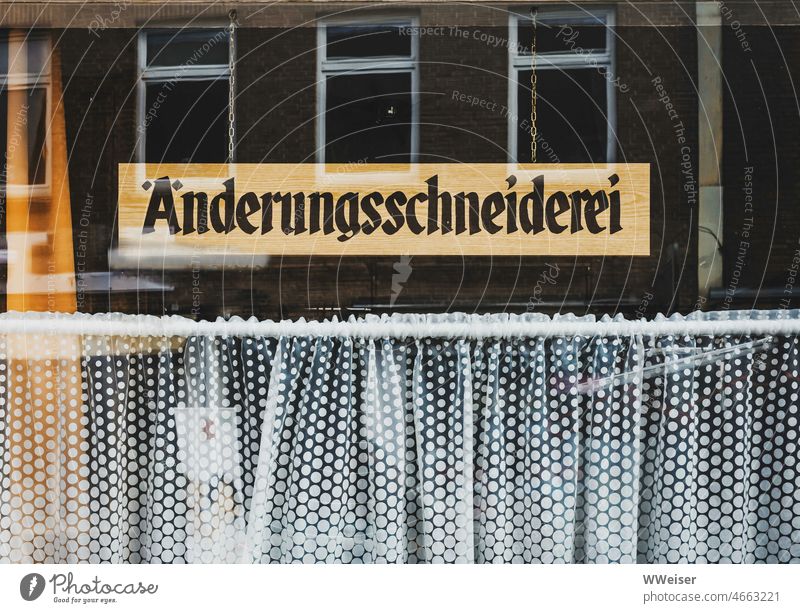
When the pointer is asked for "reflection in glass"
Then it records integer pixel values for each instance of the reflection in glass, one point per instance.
(368, 118)
(187, 47)
(571, 116)
(186, 121)
(360, 41)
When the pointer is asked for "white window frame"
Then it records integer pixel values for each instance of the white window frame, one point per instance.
(149, 75)
(30, 81)
(556, 61)
(367, 65)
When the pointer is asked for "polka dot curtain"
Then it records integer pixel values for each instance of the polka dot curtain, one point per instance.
(644, 446)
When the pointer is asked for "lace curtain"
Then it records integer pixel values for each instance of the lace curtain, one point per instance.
(415, 438)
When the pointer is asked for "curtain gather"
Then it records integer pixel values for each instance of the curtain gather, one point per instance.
(674, 440)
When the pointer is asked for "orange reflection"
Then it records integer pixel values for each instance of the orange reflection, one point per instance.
(48, 468)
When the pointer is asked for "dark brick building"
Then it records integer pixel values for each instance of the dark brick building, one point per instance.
(649, 92)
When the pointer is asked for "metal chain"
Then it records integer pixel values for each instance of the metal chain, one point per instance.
(533, 87)
(232, 86)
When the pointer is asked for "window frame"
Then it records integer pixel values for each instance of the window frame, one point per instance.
(555, 61)
(367, 65)
(164, 74)
(31, 81)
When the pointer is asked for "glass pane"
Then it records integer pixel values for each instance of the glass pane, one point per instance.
(368, 41)
(34, 120)
(553, 36)
(38, 55)
(571, 116)
(187, 47)
(187, 121)
(37, 50)
(368, 118)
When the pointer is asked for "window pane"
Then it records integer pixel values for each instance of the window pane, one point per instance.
(368, 118)
(34, 120)
(187, 48)
(187, 121)
(37, 54)
(560, 37)
(368, 41)
(571, 116)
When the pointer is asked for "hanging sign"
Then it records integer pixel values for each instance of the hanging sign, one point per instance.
(417, 209)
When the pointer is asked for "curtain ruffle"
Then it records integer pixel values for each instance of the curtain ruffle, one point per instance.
(447, 325)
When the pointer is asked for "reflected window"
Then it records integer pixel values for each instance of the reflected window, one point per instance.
(575, 89)
(184, 92)
(24, 100)
(368, 92)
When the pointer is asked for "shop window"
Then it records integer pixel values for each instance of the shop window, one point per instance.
(183, 96)
(576, 86)
(24, 100)
(367, 92)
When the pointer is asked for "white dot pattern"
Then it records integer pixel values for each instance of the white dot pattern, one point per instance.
(335, 449)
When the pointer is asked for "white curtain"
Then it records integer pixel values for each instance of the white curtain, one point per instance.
(413, 438)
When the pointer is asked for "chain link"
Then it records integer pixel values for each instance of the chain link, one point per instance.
(533, 87)
(232, 86)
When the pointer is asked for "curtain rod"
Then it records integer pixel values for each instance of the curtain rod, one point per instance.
(472, 327)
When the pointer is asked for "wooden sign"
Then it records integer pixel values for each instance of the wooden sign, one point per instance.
(418, 209)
